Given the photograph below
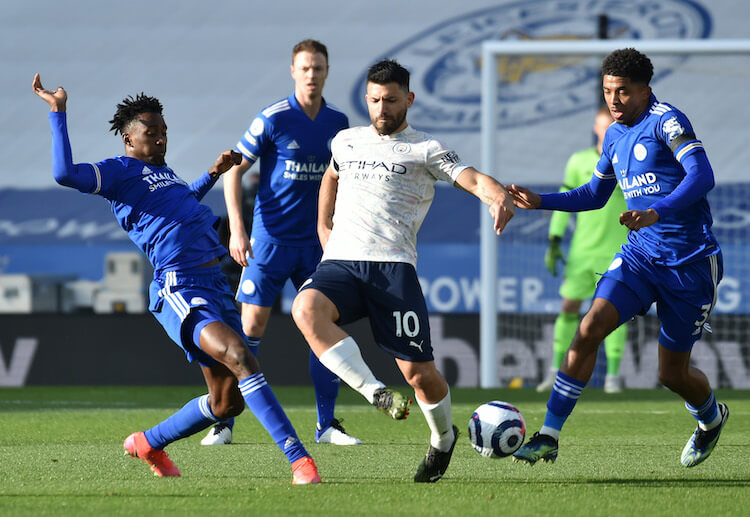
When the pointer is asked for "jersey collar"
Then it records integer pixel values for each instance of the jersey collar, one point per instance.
(292, 99)
(652, 102)
(394, 136)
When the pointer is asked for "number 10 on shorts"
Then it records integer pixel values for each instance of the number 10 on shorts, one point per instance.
(406, 324)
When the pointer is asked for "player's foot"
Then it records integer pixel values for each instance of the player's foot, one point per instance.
(220, 434)
(305, 472)
(702, 443)
(548, 381)
(137, 446)
(540, 447)
(392, 403)
(613, 384)
(435, 463)
(334, 433)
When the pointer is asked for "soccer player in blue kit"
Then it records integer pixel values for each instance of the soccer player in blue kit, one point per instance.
(671, 257)
(189, 295)
(292, 139)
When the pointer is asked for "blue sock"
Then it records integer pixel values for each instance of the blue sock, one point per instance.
(262, 402)
(707, 413)
(561, 402)
(253, 343)
(194, 416)
(229, 422)
(326, 385)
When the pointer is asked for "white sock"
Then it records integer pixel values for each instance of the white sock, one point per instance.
(550, 431)
(345, 360)
(440, 421)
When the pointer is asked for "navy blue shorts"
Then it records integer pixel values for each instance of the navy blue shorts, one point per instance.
(684, 295)
(388, 293)
(185, 301)
(265, 275)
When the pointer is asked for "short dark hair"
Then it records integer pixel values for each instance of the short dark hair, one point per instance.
(310, 45)
(131, 107)
(628, 62)
(388, 71)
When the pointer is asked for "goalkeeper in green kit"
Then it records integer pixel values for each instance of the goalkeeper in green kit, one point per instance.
(597, 237)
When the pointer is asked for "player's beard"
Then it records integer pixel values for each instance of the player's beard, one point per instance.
(388, 125)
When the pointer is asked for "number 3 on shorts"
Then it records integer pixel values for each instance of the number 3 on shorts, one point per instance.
(408, 323)
(706, 309)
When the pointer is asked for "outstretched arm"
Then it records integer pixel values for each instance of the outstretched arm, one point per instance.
(326, 203)
(83, 177)
(489, 192)
(590, 196)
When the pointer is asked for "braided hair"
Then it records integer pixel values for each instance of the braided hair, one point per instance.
(131, 107)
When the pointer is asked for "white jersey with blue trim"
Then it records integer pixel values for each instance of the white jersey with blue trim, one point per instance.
(645, 159)
(385, 187)
(294, 151)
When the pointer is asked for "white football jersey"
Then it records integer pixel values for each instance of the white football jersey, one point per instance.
(385, 187)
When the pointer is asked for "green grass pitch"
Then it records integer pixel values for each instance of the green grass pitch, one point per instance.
(61, 454)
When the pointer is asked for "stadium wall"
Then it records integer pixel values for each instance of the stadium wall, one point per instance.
(58, 349)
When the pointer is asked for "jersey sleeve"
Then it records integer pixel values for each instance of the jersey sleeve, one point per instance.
(256, 139)
(675, 130)
(89, 178)
(604, 169)
(443, 163)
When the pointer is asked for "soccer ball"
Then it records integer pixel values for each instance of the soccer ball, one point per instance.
(496, 429)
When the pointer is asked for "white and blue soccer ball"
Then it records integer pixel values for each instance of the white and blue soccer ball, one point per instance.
(497, 429)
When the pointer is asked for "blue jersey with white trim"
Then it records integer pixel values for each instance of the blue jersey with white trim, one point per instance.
(645, 159)
(294, 152)
(161, 213)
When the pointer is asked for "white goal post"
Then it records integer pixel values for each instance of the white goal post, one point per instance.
(491, 50)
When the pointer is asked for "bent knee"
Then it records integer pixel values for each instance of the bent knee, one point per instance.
(311, 307)
(228, 407)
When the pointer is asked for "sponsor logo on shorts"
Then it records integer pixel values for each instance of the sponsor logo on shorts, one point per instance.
(415, 345)
(615, 264)
(248, 287)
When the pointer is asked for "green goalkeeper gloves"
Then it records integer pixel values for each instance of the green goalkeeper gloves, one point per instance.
(553, 254)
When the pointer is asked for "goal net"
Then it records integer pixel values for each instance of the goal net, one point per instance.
(703, 78)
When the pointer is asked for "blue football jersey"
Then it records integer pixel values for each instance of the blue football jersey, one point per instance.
(645, 159)
(294, 152)
(161, 213)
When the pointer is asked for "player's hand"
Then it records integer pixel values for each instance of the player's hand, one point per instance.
(523, 197)
(240, 248)
(56, 99)
(637, 219)
(224, 162)
(502, 210)
(553, 254)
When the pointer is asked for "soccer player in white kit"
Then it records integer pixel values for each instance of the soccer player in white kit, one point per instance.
(373, 199)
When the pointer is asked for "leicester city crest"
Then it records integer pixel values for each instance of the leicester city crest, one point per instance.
(445, 60)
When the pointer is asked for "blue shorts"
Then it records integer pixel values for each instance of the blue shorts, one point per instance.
(185, 301)
(388, 293)
(264, 277)
(684, 294)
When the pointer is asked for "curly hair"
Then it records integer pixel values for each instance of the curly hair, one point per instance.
(131, 107)
(628, 62)
(388, 71)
